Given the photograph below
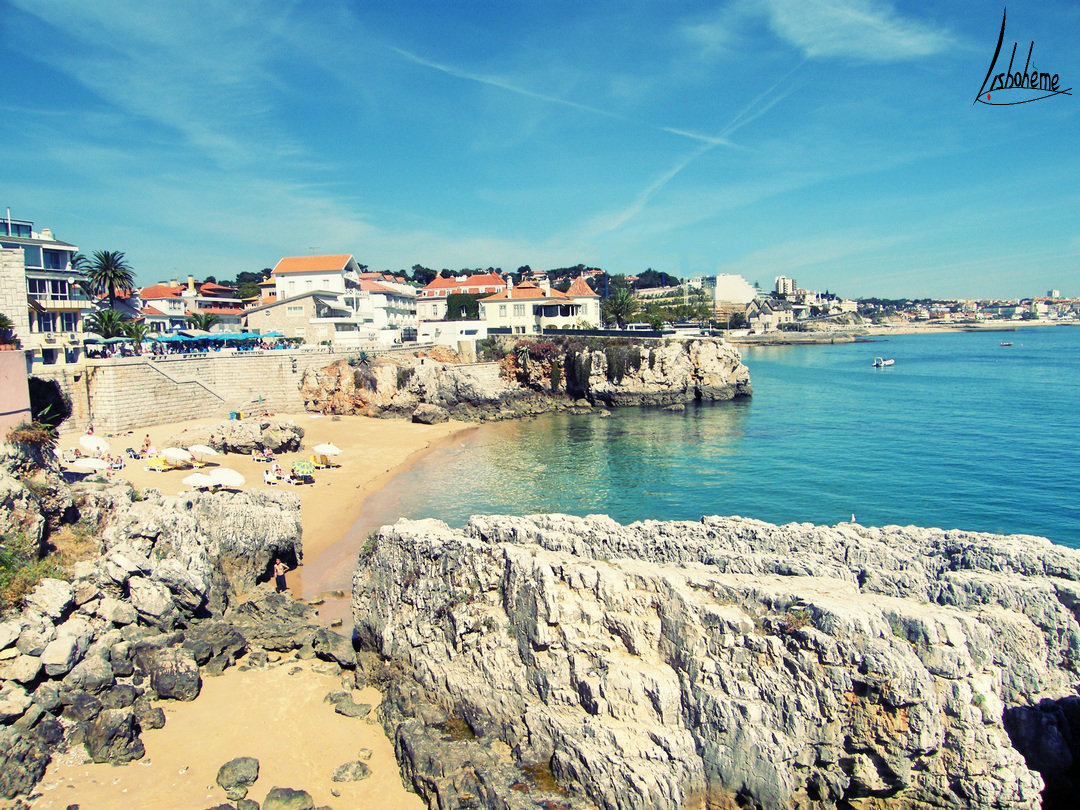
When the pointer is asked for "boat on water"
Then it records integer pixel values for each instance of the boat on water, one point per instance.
(1006, 343)
(880, 362)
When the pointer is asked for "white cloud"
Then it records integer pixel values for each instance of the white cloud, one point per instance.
(861, 29)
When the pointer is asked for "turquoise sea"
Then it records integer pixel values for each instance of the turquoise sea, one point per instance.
(960, 433)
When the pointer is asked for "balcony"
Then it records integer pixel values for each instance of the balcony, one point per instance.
(60, 303)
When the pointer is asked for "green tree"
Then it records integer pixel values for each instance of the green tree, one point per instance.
(107, 322)
(737, 320)
(6, 327)
(138, 331)
(463, 306)
(203, 320)
(621, 305)
(109, 272)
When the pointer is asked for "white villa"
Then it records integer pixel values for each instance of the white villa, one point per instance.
(321, 298)
(431, 300)
(528, 308)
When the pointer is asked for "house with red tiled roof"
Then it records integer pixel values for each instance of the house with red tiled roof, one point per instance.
(166, 306)
(431, 300)
(328, 298)
(529, 308)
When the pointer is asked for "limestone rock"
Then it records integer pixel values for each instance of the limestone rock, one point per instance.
(237, 775)
(174, 674)
(9, 633)
(154, 602)
(331, 646)
(726, 660)
(351, 772)
(52, 598)
(280, 798)
(23, 759)
(427, 414)
(113, 737)
(63, 652)
(244, 435)
(21, 668)
(14, 701)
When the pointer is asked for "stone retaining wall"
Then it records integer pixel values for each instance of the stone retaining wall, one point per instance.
(121, 394)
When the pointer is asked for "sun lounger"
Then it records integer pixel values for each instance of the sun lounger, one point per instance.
(131, 453)
(158, 465)
(270, 478)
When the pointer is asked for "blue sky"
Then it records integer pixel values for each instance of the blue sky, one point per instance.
(833, 142)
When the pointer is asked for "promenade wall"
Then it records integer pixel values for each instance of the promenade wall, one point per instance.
(120, 394)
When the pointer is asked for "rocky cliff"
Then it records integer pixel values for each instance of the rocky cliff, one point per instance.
(531, 376)
(724, 663)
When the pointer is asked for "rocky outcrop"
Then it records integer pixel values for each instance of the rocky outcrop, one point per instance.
(157, 607)
(533, 376)
(244, 435)
(723, 663)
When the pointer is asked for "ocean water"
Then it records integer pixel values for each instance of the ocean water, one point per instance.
(960, 433)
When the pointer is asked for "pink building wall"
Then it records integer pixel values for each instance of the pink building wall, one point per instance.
(14, 391)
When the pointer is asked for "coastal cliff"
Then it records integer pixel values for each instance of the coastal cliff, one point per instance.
(529, 376)
(723, 663)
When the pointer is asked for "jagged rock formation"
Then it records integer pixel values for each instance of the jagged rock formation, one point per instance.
(155, 610)
(244, 435)
(724, 663)
(543, 376)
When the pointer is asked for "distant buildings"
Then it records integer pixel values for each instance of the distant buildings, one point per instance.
(431, 300)
(40, 292)
(785, 285)
(530, 307)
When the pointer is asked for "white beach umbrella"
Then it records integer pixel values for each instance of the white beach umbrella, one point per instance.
(176, 454)
(203, 450)
(94, 444)
(57, 452)
(91, 464)
(199, 480)
(223, 476)
(326, 450)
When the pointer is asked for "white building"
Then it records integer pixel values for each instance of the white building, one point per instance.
(323, 298)
(431, 300)
(785, 285)
(40, 292)
(529, 308)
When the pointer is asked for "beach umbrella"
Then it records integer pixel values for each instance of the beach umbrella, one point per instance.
(94, 444)
(303, 468)
(203, 450)
(91, 464)
(223, 476)
(177, 454)
(326, 450)
(198, 479)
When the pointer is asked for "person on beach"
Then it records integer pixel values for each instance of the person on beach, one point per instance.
(279, 575)
(90, 429)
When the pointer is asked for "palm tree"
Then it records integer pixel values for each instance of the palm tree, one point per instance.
(109, 272)
(203, 320)
(107, 322)
(621, 306)
(7, 327)
(138, 331)
(521, 353)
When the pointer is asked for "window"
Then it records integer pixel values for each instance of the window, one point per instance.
(32, 255)
(47, 322)
(69, 321)
(37, 286)
(58, 289)
(502, 310)
(294, 310)
(309, 284)
(55, 259)
(519, 310)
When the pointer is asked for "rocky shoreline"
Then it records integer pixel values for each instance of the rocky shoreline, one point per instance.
(175, 590)
(530, 377)
(724, 663)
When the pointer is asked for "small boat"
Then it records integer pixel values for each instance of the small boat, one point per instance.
(1006, 343)
(881, 363)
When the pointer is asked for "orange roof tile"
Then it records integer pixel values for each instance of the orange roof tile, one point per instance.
(311, 264)
(580, 289)
(211, 286)
(374, 286)
(221, 311)
(524, 291)
(440, 283)
(151, 311)
(160, 291)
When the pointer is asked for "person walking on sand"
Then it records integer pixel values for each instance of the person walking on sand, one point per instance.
(279, 575)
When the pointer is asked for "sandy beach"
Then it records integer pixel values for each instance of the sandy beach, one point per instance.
(275, 714)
